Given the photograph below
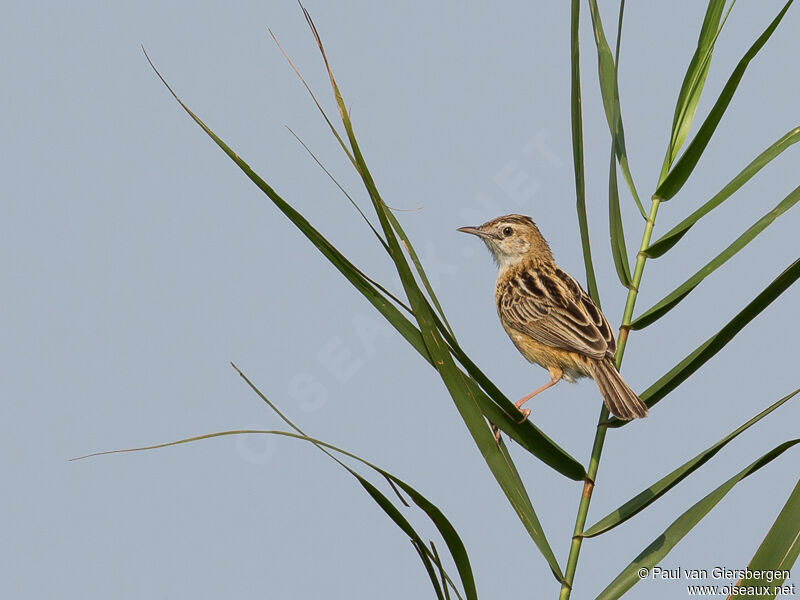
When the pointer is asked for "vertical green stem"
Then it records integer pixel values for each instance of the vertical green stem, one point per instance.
(633, 290)
(600, 433)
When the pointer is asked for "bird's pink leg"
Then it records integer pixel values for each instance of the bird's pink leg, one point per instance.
(555, 377)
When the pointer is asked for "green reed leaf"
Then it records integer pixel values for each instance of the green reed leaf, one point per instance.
(428, 564)
(395, 515)
(778, 551)
(688, 161)
(644, 499)
(453, 378)
(703, 353)
(418, 266)
(607, 67)
(693, 82)
(619, 251)
(577, 150)
(663, 544)
(505, 415)
(669, 239)
(672, 299)
(442, 574)
(350, 199)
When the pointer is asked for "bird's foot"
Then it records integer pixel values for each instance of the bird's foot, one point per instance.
(497, 432)
(525, 412)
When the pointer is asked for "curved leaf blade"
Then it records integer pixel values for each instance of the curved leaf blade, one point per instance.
(426, 562)
(619, 250)
(669, 239)
(780, 547)
(703, 353)
(688, 161)
(644, 499)
(666, 304)
(350, 199)
(418, 266)
(607, 69)
(442, 574)
(693, 82)
(526, 434)
(577, 149)
(504, 415)
(399, 520)
(663, 544)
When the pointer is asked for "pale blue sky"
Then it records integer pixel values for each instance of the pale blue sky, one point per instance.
(138, 261)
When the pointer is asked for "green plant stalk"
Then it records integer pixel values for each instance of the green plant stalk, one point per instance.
(600, 433)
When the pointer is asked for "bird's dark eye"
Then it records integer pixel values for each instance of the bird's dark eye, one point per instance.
(507, 231)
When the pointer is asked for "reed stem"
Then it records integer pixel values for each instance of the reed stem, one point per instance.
(602, 428)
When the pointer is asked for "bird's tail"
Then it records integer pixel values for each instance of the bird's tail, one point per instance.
(619, 398)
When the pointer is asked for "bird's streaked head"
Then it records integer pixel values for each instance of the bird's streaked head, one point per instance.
(511, 239)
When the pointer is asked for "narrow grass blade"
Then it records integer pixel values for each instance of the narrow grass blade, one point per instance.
(607, 67)
(397, 227)
(684, 369)
(428, 564)
(669, 302)
(441, 571)
(778, 551)
(418, 266)
(641, 501)
(331, 126)
(528, 436)
(577, 150)
(686, 163)
(453, 378)
(669, 239)
(663, 544)
(395, 515)
(693, 82)
(619, 251)
(353, 203)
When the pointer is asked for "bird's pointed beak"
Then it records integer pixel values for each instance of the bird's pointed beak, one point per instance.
(475, 231)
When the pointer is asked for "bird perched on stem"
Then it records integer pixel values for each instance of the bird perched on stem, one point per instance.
(551, 320)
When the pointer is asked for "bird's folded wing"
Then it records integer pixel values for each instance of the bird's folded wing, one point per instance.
(550, 307)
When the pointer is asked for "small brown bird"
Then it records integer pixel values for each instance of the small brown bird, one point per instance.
(551, 320)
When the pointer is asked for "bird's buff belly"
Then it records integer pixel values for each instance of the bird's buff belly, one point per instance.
(573, 364)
